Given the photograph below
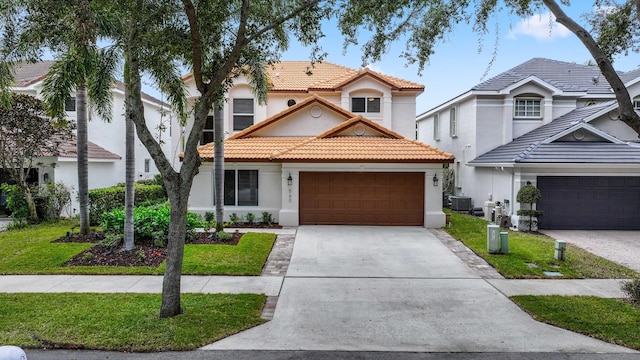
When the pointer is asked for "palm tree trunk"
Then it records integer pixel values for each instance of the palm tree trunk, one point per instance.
(218, 171)
(83, 157)
(129, 197)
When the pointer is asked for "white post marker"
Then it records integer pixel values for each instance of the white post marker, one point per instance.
(11, 352)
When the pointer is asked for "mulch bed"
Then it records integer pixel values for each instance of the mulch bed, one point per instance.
(144, 253)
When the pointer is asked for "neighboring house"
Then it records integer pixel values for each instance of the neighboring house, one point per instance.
(331, 147)
(106, 145)
(551, 123)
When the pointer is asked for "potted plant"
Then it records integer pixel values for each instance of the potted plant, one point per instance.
(527, 196)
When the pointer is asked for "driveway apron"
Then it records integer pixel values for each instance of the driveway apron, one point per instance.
(395, 289)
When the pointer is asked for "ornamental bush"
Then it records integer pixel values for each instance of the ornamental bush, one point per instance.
(149, 222)
(50, 199)
(106, 199)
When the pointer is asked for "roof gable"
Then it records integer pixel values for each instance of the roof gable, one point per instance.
(315, 105)
(579, 131)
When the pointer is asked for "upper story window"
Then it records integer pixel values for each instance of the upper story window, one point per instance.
(242, 114)
(207, 132)
(365, 104)
(527, 108)
(453, 122)
(636, 103)
(70, 104)
(436, 127)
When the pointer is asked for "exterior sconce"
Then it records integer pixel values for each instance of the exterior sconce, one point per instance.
(289, 180)
(435, 180)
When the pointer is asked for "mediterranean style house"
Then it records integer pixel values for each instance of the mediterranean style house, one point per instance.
(332, 145)
(553, 124)
(106, 145)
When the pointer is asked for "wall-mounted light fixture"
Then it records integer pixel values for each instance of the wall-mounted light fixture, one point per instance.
(289, 180)
(435, 179)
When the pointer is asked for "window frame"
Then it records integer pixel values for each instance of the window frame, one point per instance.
(232, 190)
(453, 122)
(237, 125)
(524, 116)
(209, 131)
(636, 103)
(367, 101)
(70, 104)
(436, 127)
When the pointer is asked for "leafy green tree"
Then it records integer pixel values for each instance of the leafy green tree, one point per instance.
(26, 133)
(529, 195)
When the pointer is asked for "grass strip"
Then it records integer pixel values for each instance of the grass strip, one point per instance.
(531, 254)
(31, 251)
(123, 322)
(610, 320)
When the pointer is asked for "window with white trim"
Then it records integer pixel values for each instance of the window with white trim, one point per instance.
(453, 122)
(436, 127)
(147, 165)
(636, 103)
(70, 104)
(207, 133)
(241, 187)
(527, 108)
(242, 114)
(365, 104)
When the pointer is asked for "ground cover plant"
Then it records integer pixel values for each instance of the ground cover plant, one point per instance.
(123, 322)
(531, 254)
(611, 320)
(32, 251)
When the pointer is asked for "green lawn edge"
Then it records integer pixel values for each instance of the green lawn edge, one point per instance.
(531, 254)
(610, 320)
(123, 322)
(31, 252)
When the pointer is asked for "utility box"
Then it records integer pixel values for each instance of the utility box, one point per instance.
(560, 249)
(504, 242)
(460, 203)
(488, 209)
(493, 239)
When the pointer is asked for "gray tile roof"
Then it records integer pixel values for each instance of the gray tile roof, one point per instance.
(530, 148)
(28, 74)
(565, 76)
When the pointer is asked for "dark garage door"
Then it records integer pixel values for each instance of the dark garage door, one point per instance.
(590, 202)
(353, 198)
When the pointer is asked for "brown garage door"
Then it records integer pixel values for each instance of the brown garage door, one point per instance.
(352, 198)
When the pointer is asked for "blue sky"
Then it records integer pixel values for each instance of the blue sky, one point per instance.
(456, 65)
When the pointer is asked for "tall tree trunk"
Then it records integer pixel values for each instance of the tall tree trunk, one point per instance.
(129, 195)
(171, 305)
(83, 157)
(218, 173)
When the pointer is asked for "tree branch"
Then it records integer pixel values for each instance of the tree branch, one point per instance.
(283, 19)
(627, 113)
(190, 11)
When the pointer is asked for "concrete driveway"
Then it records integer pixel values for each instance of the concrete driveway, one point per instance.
(622, 247)
(395, 289)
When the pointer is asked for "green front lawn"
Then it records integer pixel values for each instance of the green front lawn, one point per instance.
(31, 251)
(123, 322)
(531, 254)
(610, 320)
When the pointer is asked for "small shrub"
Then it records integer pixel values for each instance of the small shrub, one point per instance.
(141, 256)
(224, 236)
(17, 224)
(209, 216)
(106, 199)
(112, 240)
(151, 222)
(632, 291)
(234, 219)
(87, 256)
(266, 218)
(16, 201)
(250, 218)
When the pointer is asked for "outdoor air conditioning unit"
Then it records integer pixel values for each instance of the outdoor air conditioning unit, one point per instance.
(460, 203)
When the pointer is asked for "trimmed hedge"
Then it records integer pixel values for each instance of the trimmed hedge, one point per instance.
(106, 199)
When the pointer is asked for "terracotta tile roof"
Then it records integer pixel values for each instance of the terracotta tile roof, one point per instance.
(330, 147)
(256, 148)
(301, 76)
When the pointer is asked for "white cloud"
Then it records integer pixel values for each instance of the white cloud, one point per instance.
(541, 27)
(376, 68)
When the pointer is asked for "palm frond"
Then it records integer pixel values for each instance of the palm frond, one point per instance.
(102, 79)
(61, 81)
